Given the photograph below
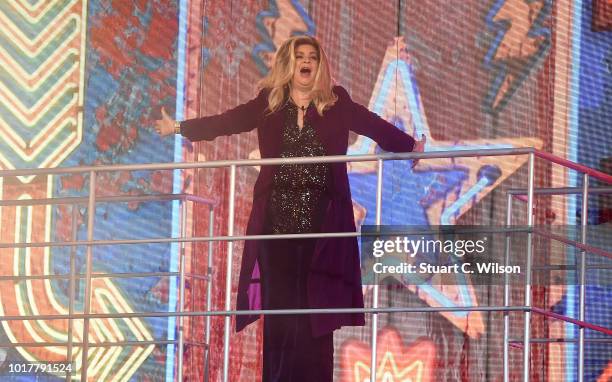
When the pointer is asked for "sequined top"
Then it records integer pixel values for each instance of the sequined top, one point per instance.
(298, 189)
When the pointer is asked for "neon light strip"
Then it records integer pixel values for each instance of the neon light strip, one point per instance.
(463, 199)
(379, 103)
(414, 104)
(572, 144)
(470, 147)
(176, 185)
(414, 100)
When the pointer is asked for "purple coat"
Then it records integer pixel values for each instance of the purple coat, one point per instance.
(334, 280)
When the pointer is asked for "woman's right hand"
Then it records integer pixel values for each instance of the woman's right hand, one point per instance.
(165, 125)
(419, 147)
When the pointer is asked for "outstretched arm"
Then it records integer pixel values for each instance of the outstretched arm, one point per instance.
(364, 122)
(242, 118)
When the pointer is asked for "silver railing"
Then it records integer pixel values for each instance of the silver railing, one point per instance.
(180, 313)
(183, 199)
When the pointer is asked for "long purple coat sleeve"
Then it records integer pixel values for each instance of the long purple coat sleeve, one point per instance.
(365, 122)
(242, 118)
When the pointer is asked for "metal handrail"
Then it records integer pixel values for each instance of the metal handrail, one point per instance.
(197, 239)
(583, 247)
(324, 159)
(515, 342)
(108, 199)
(580, 323)
(559, 191)
(574, 166)
(256, 312)
(163, 240)
(78, 243)
(92, 199)
(267, 161)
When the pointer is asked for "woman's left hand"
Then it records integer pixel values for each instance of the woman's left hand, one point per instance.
(419, 147)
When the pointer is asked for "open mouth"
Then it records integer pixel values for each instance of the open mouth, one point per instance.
(305, 71)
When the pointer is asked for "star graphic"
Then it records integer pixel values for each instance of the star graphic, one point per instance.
(446, 187)
(395, 362)
(437, 191)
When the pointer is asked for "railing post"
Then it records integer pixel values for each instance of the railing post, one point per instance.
(582, 292)
(91, 213)
(507, 292)
(373, 362)
(527, 324)
(181, 323)
(209, 275)
(71, 292)
(228, 276)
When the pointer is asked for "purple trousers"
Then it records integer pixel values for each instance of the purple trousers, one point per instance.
(290, 352)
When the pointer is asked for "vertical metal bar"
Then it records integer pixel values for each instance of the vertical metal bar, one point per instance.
(507, 293)
(582, 292)
(527, 324)
(209, 274)
(193, 265)
(198, 171)
(228, 276)
(181, 323)
(71, 292)
(373, 362)
(91, 213)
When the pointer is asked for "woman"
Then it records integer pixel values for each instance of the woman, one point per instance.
(299, 112)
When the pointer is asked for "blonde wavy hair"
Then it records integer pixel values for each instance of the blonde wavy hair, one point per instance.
(279, 78)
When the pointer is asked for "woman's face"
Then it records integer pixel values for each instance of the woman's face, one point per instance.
(306, 65)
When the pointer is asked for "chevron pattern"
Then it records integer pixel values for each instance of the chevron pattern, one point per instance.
(42, 51)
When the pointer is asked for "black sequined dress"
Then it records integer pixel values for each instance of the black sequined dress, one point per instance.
(290, 352)
(298, 189)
